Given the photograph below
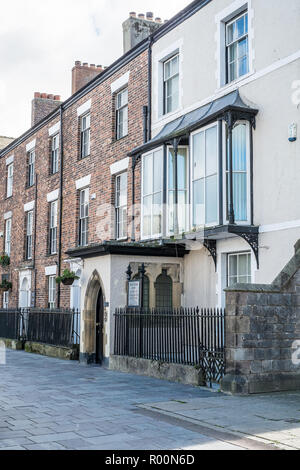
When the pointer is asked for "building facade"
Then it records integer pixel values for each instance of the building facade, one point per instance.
(180, 159)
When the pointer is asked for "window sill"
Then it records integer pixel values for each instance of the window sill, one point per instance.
(167, 116)
(238, 81)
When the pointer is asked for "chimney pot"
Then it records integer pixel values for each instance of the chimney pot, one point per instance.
(85, 64)
(37, 94)
(99, 66)
(158, 20)
(56, 98)
(93, 66)
(149, 15)
(44, 96)
(141, 16)
(50, 97)
(132, 14)
(78, 62)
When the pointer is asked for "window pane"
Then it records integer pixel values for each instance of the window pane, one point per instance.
(230, 33)
(243, 265)
(211, 151)
(182, 211)
(147, 203)
(243, 66)
(199, 155)
(211, 199)
(147, 175)
(157, 214)
(182, 177)
(233, 52)
(240, 196)
(233, 270)
(158, 171)
(233, 71)
(239, 148)
(198, 203)
(240, 24)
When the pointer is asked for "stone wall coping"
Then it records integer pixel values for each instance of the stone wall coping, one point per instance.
(279, 283)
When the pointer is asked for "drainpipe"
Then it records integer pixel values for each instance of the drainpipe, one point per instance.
(60, 204)
(231, 206)
(176, 225)
(150, 87)
(145, 124)
(34, 247)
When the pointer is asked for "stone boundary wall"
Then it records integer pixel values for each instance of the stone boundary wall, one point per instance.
(263, 334)
(67, 354)
(173, 372)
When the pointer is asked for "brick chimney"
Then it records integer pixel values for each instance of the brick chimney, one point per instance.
(42, 105)
(83, 74)
(137, 28)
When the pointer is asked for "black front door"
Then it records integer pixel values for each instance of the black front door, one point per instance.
(99, 328)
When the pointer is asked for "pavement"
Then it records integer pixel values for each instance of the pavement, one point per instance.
(50, 404)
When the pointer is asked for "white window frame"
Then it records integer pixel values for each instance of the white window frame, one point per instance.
(165, 81)
(10, 179)
(29, 232)
(8, 224)
(5, 300)
(198, 131)
(120, 136)
(226, 221)
(155, 235)
(83, 218)
(52, 292)
(187, 212)
(85, 136)
(231, 11)
(31, 168)
(53, 228)
(54, 154)
(236, 41)
(119, 209)
(237, 255)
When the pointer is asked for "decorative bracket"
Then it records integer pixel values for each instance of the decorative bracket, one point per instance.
(253, 240)
(211, 246)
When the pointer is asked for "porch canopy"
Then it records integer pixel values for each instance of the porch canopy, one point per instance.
(184, 125)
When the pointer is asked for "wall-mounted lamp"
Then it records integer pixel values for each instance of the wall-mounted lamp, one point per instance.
(293, 132)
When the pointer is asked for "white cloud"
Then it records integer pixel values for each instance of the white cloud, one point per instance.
(40, 40)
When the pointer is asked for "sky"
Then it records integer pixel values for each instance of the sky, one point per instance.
(41, 40)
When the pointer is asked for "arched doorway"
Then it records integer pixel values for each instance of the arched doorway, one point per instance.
(93, 321)
(164, 291)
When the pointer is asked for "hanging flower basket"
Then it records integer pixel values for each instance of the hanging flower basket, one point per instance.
(67, 278)
(5, 286)
(4, 261)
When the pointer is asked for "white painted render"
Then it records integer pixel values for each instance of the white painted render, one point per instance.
(84, 108)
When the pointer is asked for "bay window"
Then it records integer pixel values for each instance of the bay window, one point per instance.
(177, 213)
(205, 176)
(240, 172)
(152, 194)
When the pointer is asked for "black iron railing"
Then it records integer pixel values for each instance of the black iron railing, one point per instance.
(185, 336)
(53, 327)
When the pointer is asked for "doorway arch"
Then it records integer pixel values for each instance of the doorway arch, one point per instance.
(25, 294)
(93, 320)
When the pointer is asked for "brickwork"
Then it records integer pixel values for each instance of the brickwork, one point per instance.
(42, 106)
(105, 151)
(263, 334)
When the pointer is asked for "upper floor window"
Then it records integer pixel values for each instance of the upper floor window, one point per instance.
(205, 177)
(85, 136)
(31, 168)
(237, 47)
(122, 113)
(51, 292)
(239, 269)
(54, 154)
(53, 228)
(240, 162)
(121, 206)
(83, 216)
(10, 176)
(177, 205)
(7, 237)
(171, 84)
(28, 239)
(152, 194)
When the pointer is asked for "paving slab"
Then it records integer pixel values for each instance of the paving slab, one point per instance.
(50, 404)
